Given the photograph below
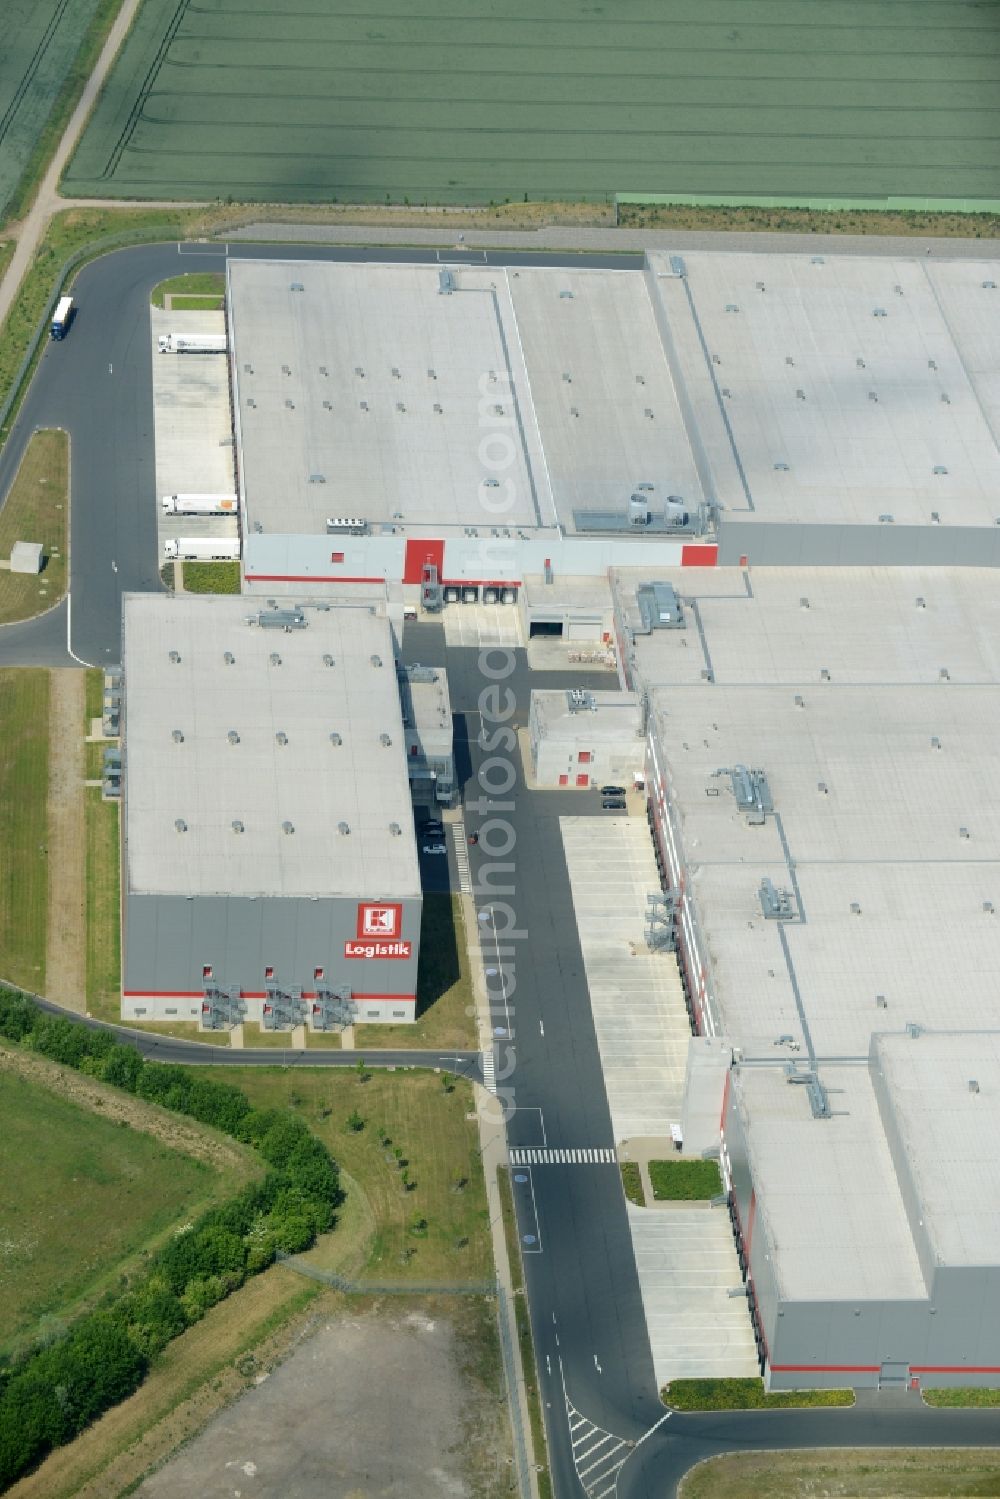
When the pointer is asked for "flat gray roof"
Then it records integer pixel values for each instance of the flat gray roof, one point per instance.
(428, 708)
(949, 1132)
(614, 716)
(371, 378)
(278, 684)
(845, 382)
(871, 700)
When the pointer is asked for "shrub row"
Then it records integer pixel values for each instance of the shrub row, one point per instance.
(50, 1393)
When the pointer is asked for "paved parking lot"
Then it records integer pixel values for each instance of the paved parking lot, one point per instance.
(194, 445)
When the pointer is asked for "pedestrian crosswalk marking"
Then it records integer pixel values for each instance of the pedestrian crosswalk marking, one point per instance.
(597, 1454)
(597, 1155)
(461, 856)
(490, 1069)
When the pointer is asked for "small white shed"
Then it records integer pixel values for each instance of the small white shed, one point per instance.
(26, 557)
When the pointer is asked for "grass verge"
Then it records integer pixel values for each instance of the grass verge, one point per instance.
(808, 221)
(632, 1183)
(211, 577)
(524, 1337)
(103, 905)
(65, 102)
(885, 1473)
(36, 509)
(24, 791)
(426, 1205)
(745, 1395)
(199, 284)
(79, 1196)
(684, 1181)
(961, 1397)
(445, 1004)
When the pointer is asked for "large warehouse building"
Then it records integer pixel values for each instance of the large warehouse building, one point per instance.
(491, 423)
(269, 863)
(820, 766)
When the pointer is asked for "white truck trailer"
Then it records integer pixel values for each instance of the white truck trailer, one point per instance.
(200, 504)
(202, 549)
(192, 343)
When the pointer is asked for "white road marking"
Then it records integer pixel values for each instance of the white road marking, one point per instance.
(597, 1155)
(597, 1454)
(457, 830)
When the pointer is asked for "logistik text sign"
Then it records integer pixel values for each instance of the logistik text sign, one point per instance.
(370, 947)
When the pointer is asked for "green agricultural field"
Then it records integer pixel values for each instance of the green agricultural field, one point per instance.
(79, 1194)
(500, 101)
(41, 39)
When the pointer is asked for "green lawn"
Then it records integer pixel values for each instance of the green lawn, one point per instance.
(24, 789)
(882, 1473)
(445, 1002)
(103, 905)
(960, 1396)
(745, 1395)
(36, 509)
(197, 304)
(200, 284)
(211, 577)
(78, 1195)
(440, 1147)
(561, 102)
(684, 1181)
(632, 1183)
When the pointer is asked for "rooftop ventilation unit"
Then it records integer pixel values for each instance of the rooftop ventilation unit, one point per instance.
(177, 736)
(335, 739)
(352, 525)
(175, 657)
(296, 286)
(237, 825)
(328, 660)
(288, 827)
(777, 905)
(395, 829)
(752, 793)
(385, 740)
(376, 660)
(638, 510)
(343, 828)
(229, 658)
(281, 737)
(581, 701)
(275, 659)
(180, 825)
(233, 737)
(660, 607)
(281, 619)
(446, 282)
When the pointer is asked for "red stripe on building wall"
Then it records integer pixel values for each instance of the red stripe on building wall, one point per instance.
(751, 1215)
(705, 555)
(954, 1369)
(825, 1368)
(305, 578)
(247, 994)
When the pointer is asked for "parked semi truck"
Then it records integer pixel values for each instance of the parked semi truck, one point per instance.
(202, 549)
(200, 504)
(192, 343)
(62, 317)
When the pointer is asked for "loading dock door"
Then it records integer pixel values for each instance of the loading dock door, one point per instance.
(550, 627)
(583, 629)
(893, 1376)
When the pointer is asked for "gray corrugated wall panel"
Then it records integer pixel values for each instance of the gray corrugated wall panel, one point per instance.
(783, 544)
(901, 1166)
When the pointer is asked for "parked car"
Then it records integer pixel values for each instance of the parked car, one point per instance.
(613, 804)
(433, 829)
(435, 848)
(612, 790)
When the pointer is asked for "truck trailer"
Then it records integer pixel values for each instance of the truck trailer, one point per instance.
(200, 504)
(192, 343)
(202, 549)
(61, 318)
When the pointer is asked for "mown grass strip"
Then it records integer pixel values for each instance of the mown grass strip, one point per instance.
(745, 1395)
(36, 510)
(24, 792)
(632, 1183)
(527, 1343)
(684, 1181)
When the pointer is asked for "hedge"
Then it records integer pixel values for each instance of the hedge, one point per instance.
(50, 1393)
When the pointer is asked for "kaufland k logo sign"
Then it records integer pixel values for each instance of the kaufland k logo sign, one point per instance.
(379, 927)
